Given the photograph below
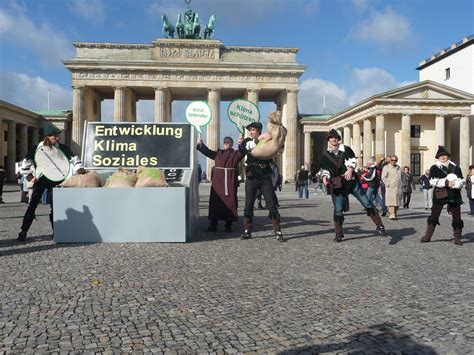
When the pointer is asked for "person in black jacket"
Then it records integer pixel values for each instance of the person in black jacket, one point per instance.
(338, 171)
(470, 189)
(51, 138)
(427, 189)
(259, 176)
(447, 180)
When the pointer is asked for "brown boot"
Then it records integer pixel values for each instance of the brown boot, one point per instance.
(430, 228)
(248, 224)
(277, 230)
(457, 237)
(338, 229)
(457, 231)
(375, 217)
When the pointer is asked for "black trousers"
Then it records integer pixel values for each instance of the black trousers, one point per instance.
(266, 187)
(40, 186)
(406, 199)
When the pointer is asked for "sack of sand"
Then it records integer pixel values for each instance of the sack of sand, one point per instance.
(150, 177)
(270, 148)
(87, 179)
(121, 178)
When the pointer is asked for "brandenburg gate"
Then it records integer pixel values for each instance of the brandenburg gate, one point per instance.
(184, 69)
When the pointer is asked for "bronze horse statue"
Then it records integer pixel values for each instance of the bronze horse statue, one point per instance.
(168, 28)
(209, 29)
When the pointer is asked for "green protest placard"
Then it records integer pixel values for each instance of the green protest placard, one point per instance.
(199, 114)
(243, 112)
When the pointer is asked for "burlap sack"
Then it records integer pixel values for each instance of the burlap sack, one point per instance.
(89, 179)
(150, 177)
(121, 178)
(268, 149)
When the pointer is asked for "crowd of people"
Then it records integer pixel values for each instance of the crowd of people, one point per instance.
(384, 184)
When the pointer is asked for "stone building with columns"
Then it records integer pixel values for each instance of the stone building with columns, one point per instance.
(21, 129)
(180, 69)
(409, 122)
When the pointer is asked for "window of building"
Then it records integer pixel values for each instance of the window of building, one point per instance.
(415, 131)
(448, 73)
(415, 165)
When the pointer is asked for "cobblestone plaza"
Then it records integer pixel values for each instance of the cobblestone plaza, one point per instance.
(220, 294)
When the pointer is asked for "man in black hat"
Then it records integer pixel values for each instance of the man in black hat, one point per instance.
(447, 180)
(338, 164)
(42, 183)
(259, 176)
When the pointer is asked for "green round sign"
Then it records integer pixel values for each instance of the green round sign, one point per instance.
(243, 112)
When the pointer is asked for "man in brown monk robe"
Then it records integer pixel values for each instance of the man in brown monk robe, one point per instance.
(223, 198)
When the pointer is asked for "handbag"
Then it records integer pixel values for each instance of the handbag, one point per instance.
(441, 193)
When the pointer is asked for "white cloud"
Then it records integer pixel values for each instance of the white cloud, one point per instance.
(90, 10)
(360, 5)
(386, 29)
(371, 81)
(32, 92)
(49, 44)
(310, 97)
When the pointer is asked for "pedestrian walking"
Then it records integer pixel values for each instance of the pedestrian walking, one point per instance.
(338, 165)
(303, 176)
(447, 180)
(392, 178)
(408, 186)
(258, 175)
(383, 189)
(41, 182)
(427, 189)
(470, 189)
(223, 196)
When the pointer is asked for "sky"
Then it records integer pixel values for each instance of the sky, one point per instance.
(353, 49)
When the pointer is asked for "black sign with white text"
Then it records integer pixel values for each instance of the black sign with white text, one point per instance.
(131, 144)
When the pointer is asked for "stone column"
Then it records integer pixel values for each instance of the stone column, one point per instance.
(439, 130)
(379, 137)
(290, 159)
(119, 104)
(307, 147)
(252, 95)
(160, 104)
(464, 144)
(169, 106)
(356, 142)
(11, 151)
(347, 136)
(78, 118)
(405, 141)
(130, 105)
(367, 153)
(35, 135)
(213, 128)
(23, 141)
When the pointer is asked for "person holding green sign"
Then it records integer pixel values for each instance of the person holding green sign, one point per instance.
(259, 176)
(223, 197)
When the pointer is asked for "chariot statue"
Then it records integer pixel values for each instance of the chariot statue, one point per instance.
(188, 26)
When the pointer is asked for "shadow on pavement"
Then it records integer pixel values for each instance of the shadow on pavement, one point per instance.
(378, 339)
(15, 247)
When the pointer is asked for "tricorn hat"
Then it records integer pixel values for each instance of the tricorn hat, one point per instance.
(50, 129)
(442, 151)
(256, 125)
(333, 134)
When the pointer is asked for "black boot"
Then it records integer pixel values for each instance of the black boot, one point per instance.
(338, 229)
(248, 223)
(25, 227)
(277, 230)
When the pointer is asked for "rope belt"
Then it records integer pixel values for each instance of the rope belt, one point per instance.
(226, 187)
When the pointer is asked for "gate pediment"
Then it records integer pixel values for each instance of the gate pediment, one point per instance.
(427, 90)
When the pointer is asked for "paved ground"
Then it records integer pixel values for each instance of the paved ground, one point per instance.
(368, 294)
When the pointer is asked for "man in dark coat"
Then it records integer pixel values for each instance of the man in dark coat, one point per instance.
(3, 176)
(338, 171)
(447, 180)
(223, 198)
(259, 176)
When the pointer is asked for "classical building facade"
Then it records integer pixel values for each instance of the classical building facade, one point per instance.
(409, 122)
(180, 69)
(21, 129)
